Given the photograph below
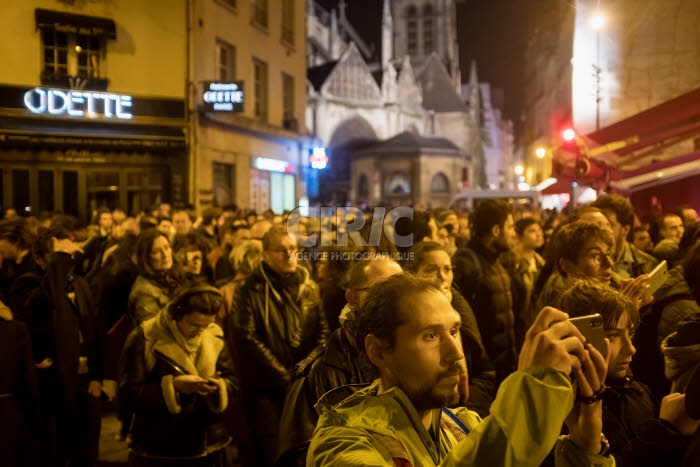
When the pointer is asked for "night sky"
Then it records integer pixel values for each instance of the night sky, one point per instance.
(492, 32)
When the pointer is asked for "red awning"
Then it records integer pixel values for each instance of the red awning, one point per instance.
(653, 144)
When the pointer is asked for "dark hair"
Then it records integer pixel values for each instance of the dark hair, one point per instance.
(16, 232)
(210, 214)
(691, 270)
(419, 251)
(143, 250)
(201, 299)
(586, 297)
(570, 239)
(618, 204)
(419, 226)
(43, 246)
(488, 213)
(382, 312)
(522, 224)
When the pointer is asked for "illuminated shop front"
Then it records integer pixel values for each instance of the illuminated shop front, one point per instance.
(75, 150)
(272, 185)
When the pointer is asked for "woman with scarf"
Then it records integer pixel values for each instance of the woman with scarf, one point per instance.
(178, 378)
(156, 284)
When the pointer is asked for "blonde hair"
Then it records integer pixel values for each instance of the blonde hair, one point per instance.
(247, 256)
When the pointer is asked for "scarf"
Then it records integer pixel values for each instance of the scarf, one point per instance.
(196, 356)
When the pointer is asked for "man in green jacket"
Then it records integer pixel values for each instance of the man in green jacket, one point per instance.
(411, 334)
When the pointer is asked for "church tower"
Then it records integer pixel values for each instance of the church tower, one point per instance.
(422, 27)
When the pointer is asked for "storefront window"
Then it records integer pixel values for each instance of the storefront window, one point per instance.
(282, 192)
(20, 192)
(70, 193)
(46, 191)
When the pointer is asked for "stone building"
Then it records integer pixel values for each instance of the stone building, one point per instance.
(255, 153)
(357, 99)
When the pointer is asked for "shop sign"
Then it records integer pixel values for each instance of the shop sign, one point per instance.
(77, 103)
(318, 158)
(272, 165)
(223, 97)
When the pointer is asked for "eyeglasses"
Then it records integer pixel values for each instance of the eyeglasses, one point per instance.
(599, 256)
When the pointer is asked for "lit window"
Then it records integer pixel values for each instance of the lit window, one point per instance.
(260, 89)
(69, 54)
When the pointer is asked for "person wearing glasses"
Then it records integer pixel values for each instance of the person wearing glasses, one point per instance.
(278, 321)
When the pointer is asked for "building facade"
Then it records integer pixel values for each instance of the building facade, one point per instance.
(589, 75)
(357, 99)
(248, 100)
(92, 106)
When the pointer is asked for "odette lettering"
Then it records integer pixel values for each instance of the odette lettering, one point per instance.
(78, 103)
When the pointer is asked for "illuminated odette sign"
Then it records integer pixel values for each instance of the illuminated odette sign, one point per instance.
(272, 165)
(77, 103)
(318, 158)
(223, 97)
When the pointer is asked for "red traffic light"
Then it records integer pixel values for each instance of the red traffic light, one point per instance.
(568, 134)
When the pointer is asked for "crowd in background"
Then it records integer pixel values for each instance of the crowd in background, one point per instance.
(219, 328)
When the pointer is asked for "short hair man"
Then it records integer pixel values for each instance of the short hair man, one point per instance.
(277, 322)
(485, 283)
(629, 261)
(335, 364)
(410, 333)
(670, 231)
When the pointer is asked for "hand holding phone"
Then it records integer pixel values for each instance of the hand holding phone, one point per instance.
(591, 326)
(657, 277)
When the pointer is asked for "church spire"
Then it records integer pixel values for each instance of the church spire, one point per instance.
(387, 36)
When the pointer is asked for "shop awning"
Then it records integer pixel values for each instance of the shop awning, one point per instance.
(656, 131)
(77, 24)
(652, 147)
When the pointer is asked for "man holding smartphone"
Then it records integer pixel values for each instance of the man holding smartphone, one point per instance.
(410, 333)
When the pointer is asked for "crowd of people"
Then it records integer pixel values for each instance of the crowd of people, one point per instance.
(220, 330)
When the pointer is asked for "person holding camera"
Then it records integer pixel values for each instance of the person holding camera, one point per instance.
(178, 378)
(410, 333)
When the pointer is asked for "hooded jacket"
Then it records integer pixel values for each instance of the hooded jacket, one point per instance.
(371, 429)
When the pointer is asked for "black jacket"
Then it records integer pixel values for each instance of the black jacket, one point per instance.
(485, 283)
(278, 322)
(59, 309)
(156, 430)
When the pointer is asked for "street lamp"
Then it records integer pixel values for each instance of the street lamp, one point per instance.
(519, 170)
(597, 23)
(540, 152)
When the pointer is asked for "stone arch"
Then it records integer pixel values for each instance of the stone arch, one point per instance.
(354, 129)
(398, 183)
(440, 184)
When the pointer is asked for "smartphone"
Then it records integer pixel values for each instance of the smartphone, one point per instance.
(591, 326)
(656, 278)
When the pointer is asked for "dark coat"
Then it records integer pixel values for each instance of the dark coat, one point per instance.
(59, 309)
(673, 304)
(627, 405)
(19, 396)
(198, 428)
(278, 322)
(485, 283)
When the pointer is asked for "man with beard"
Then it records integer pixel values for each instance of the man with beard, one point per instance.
(485, 283)
(410, 333)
